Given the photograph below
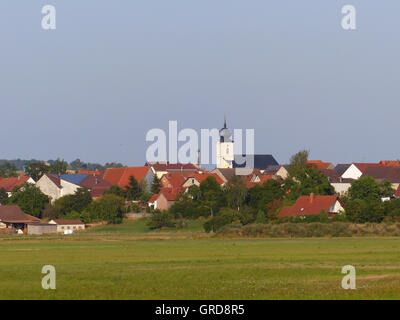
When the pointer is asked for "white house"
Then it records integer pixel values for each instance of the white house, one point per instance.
(63, 225)
(55, 187)
(355, 170)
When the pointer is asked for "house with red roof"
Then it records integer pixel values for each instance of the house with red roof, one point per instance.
(161, 168)
(397, 193)
(173, 180)
(57, 186)
(165, 198)
(197, 178)
(320, 164)
(313, 205)
(91, 172)
(120, 176)
(8, 184)
(389, 163)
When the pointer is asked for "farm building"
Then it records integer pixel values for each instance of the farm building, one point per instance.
(63, 225)
(313, 205)
(165, 198)
(41, 228)
(12, 217)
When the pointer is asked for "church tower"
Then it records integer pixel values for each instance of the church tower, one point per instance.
(225, 151)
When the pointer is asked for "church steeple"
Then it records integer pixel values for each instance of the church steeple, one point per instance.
(225, 134)
(225, 150)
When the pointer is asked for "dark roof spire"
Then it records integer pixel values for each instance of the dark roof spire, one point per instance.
(224, 121)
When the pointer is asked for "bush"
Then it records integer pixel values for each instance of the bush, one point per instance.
(260, 217)
(108, 208)
(161, 220)
(226, 216)
(289, 230)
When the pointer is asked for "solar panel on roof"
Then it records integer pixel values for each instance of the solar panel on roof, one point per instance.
(73, 178)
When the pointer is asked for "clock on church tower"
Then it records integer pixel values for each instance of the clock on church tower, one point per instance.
(225, 153)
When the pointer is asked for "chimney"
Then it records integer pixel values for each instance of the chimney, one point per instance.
(311, 197)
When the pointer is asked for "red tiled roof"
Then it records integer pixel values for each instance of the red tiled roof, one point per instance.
(95, 181)
(309, 205)
(10, 183)
(157, 166)
(169, 193)
(380, 174)
(97, 192)
(265, 177)
(65, 222)
(92, 172)
(14, 214)
(389, 163)
(154, 198)
(120, 176)
(320, 164)
(173, 180)
(203, 176)
(397, 193)
(364, 166)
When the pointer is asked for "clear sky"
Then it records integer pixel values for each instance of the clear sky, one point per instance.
(112, 70)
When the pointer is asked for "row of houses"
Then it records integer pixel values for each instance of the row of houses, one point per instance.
(177, 178)
(174, 183)
(340, 177)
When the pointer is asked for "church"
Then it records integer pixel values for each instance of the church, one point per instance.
(227, 159)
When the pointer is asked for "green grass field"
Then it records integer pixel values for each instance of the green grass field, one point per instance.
(119, 262)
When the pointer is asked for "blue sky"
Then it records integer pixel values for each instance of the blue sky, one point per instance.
(112, 70)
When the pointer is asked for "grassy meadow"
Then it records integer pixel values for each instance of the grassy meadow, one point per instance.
(130, 262)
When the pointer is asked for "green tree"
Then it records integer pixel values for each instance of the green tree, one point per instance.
(365, 188)
(236, 192)
(58, 167)
(36, 170)
(50, 212)
(211, 194)
(116, 190)
(226, 216)
(30, 199)
(260, 196)
(156, 185)
(3, 196)
(194, 192)
(160, 220)
(260, 217)
(108, 208)
(386, 189)
(298, 162)
(7, 170)
(306, 181)
(77, 202)
(133, 189)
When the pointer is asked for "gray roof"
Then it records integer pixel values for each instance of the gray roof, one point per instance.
(261, 161)
(342, 167)
(380, 174)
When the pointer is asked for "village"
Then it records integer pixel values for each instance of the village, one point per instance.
(53, 198)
